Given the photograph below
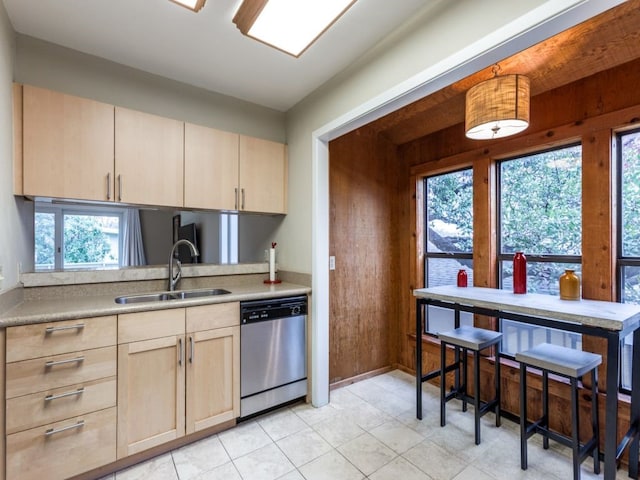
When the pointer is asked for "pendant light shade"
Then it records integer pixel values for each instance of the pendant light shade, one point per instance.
(497, 107)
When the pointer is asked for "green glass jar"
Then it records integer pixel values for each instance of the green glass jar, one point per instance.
(569, 286)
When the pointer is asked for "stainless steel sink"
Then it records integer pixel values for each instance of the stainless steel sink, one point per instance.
(176, 295)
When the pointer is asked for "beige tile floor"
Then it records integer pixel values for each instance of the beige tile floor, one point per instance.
(369, 430)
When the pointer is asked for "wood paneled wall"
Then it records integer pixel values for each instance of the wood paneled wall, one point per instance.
(364, 238)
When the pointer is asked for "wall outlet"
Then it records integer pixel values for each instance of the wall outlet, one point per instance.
(332, 262)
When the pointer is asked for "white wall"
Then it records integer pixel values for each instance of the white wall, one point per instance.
(439, 32)
(47, 65)
(13, 232)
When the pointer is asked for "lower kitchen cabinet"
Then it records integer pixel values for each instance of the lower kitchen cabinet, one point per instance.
(179, 383)
(213, 378)
(85, 393)
(150, 393)
(60, 386)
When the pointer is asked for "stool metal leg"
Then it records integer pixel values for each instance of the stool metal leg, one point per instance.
(476, 394)
(594, 420)
(545, 407)
(443, 382)
(523, 416)
(575, 425)
(463, 387)
(498, 389)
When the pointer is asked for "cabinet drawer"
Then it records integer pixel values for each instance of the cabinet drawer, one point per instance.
(43, 339)
(41, 374)
(217, 315)
(63, 449)
(57, 404)
(134, 327)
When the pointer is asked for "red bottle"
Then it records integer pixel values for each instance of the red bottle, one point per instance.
(519, 273)
(462, 278)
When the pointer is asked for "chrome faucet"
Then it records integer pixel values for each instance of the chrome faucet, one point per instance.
(174, 279)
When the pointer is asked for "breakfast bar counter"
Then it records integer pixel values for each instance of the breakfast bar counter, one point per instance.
(610, 320)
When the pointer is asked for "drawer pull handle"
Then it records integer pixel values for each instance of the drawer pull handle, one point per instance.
(51, 363)
(53, 431)
(192, 352)
(79, 391)
(78, 326)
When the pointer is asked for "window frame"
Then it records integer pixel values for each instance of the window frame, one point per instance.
(502, 257)
(59, 210)
(531, 258)
(425, 221)
(621, 260)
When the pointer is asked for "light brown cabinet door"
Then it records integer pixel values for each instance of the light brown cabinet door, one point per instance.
(213, 377)
(148, 159)
(263, 175)
(210, 168)
(68, 149)
(151, 389)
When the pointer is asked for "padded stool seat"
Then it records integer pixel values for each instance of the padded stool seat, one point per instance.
(464, 339)
(572, 364)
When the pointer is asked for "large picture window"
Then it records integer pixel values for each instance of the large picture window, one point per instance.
(540, 214)
(449, 239)
(628, 235)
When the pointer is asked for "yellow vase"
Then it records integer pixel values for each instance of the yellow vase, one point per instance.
(569, 286)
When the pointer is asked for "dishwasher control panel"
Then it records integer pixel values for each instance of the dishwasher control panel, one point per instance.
(261, 310)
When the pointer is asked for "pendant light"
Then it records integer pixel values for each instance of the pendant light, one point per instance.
(497, 107)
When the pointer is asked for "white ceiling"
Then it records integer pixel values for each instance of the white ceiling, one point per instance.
(205, 49)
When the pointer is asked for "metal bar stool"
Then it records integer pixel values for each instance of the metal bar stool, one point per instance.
(572, 364)
(475, 339)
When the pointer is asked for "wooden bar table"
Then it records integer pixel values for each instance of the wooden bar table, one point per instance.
(610, 320)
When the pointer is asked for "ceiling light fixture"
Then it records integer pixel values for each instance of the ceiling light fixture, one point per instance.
(497, 107)
(288, 25)
(194, 5)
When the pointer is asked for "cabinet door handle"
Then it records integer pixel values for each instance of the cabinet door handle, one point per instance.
(51, 363)
(109, 186)
(180, 351)
(243, 199)
(119, 188)
(79, 391)
(236, 195)
(53, 431)
(192, 352)
(50, 330)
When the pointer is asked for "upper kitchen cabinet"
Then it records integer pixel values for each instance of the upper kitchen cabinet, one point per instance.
(263, 175)
(210, 168)
(148, 159)
(67, 146)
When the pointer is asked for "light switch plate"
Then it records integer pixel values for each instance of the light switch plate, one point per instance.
(332, 262)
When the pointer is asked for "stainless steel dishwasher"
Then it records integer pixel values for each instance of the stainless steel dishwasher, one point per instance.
(273, 353)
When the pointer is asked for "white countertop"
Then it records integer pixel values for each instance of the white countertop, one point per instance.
(607, 315)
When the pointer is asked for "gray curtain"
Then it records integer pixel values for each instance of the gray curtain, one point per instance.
(133, 248)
